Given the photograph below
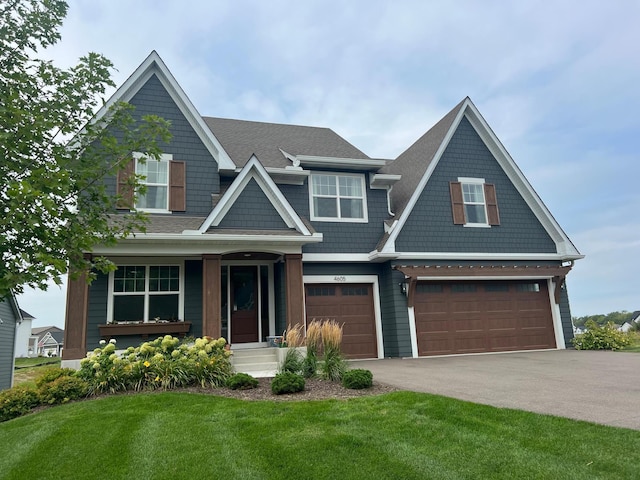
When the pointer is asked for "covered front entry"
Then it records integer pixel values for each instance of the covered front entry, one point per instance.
(482, 316)
(351, 305)
(247, 303)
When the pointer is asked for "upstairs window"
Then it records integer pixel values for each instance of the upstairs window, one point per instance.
(338, 198)
(165, 181)
(474, 203)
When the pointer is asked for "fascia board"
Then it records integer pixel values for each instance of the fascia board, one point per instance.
(337, 162)
(389, 246)
(535, 203)
(254, 169)
(475, 256)
(154, 64)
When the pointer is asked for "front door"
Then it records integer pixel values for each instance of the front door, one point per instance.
(244, 304)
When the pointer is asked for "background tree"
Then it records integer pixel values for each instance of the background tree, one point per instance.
(53, 201)
(617, 318)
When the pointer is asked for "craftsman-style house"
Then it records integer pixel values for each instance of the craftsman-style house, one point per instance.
(255, 226)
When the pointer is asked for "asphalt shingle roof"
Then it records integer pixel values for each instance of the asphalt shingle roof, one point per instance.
(241, 139)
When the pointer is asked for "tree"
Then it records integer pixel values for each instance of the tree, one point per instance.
(54, 204)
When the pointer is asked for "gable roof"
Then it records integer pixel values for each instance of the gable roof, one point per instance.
(26, 315)
(255, 170)
(153, 65)
(50, 328)
(267, 141)
(423, 157)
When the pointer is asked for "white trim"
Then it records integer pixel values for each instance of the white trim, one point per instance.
(556, 315)
(335, 257)
(146, 262)
(413, 334)
(381, 181)
(564, 247)
(153, 64)
(254, 170)
(337, 196)
(453, 256)
(346, 279)
(166, 158)
(220, 245)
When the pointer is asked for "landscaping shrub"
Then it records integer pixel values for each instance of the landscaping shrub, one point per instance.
(52, 374)
(287, 382)
(333, 365)
(164, 363)
(310, 365)
(17, 401)
(242, 381)
(63, 389)
(314, 343)
(596, 337)
(357, 379)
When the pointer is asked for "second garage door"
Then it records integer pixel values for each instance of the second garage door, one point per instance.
(351, 305)
(486, 316)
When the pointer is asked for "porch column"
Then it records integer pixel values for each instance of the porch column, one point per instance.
(75, 323)
(295, 289)
(211, 306)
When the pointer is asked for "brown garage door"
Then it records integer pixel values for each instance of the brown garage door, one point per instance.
(487, 316)
(351, 305)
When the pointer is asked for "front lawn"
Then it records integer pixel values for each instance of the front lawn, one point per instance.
(28, 369)
(401, 435)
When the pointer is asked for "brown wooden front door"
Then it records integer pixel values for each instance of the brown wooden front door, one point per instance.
(487, 316)
(244, 304)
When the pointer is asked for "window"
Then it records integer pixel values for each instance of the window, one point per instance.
(165, 182)
(338, 198)
(474, 203)
(528, 287)
(156, 179)
(143, 293)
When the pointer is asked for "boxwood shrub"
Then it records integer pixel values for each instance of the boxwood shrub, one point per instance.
(242, 381)
(287, 382)
(357, 379)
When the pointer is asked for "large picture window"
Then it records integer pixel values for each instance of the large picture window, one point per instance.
(143, 293)
(338, 198)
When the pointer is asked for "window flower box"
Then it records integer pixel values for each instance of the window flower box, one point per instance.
(144, 329)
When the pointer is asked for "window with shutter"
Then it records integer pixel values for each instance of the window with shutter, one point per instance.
(474, 203)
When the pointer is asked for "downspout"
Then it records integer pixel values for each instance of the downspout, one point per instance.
(389, 188)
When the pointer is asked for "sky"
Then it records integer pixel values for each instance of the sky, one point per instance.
(557, 82)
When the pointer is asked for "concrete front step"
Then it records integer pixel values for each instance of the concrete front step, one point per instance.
(259, 362)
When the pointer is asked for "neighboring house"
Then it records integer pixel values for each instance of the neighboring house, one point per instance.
(9, 319)
(25, 342)
(255, 226)
(629, 324)
(48, 341)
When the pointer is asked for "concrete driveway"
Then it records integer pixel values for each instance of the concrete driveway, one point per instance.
(596, 386)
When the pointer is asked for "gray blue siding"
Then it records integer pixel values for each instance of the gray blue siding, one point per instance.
(430, 226)
(342, 237)
(201, 169)
(193, 295)
(252, 210)
(565, 315)
(395, 315)
(7, 342)
(97, 313)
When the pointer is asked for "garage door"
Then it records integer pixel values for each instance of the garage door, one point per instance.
(351, 305)
(487, 316)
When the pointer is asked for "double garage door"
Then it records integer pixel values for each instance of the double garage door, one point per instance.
(350, 305)
(482, 316)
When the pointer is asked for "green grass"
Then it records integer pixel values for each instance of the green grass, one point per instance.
(402, 435)
(635, 343)
(28, 369)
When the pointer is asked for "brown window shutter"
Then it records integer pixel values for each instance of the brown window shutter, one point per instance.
(177, 187)
(457, 203)
(123, 188)
(492, 204)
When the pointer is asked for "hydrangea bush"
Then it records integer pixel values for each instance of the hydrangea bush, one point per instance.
(163, 363)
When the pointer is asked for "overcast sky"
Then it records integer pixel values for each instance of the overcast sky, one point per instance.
(559, 83)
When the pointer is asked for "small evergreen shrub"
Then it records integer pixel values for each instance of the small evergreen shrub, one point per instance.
(17, 401)
(357, 379)
(242, 381)
(287, 382)
(63, 389)
(596, 337)
(310, 365)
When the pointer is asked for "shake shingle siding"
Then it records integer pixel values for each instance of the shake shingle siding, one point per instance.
(395, 316)
(97, 312)
(201, 169)
(252, 210)
(565, 315)
(342, 237)
(7, 339)
(430, 226)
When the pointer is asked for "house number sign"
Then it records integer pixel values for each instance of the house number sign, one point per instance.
(340, 279)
